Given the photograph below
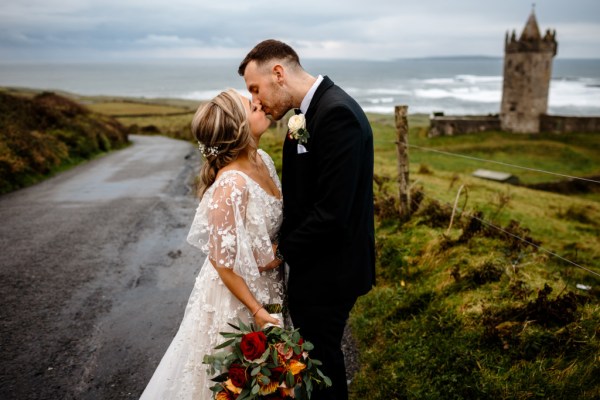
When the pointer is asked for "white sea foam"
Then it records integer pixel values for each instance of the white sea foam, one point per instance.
(471, 94)
(208, 94)
(579, 93)
(475, 79)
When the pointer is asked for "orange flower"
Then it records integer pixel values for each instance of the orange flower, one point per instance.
(295, 367)
(224, 395)
(269, 388)
(285, 391)
(231, 387)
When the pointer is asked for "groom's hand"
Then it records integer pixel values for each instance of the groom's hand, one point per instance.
(273, 264)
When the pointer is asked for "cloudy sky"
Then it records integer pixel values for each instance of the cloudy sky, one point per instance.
(95, 30)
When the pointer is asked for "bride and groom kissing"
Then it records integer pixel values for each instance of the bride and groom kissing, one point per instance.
(308, 239)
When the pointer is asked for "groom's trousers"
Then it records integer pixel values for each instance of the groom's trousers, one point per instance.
(323, 326)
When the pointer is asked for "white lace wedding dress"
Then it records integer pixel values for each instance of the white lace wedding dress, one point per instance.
(235, 225)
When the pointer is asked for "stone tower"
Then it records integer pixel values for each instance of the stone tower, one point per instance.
(527, 73)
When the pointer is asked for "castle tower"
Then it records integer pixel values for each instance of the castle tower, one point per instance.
(527, 73)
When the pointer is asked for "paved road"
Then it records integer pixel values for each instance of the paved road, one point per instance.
(95, 273)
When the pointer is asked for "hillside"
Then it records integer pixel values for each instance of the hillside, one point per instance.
(43, 133)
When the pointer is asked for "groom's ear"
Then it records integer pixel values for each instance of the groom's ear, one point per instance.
(278, 73)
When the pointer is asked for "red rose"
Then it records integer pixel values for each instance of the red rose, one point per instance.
(277, 372)
(253, 345)
(238, 375)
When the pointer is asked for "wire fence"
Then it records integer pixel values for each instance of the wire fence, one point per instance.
(528, 242)
(501, 163)
(496, 227)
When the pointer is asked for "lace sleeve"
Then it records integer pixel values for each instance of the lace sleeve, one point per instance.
(230, 229)
(226, 215)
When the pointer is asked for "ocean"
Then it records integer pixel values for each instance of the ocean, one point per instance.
(456, 86)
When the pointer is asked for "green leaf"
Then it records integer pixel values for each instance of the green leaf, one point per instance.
(237, 328)
(325, 378)
(308, 346)
(230, 334)
(255, 371)
(220, 378)
(244, 327)
(263, 357)
(245, 394)
(264, 380)
(308, 384)
(289, 379)
(225, 344)
(255, 389)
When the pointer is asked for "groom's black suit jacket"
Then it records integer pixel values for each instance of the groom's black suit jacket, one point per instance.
(327, 236)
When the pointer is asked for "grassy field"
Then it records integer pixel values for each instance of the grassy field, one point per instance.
(471, 312)
(467, 312)
(569, 221)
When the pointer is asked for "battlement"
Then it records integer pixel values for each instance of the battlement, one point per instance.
(545, 44)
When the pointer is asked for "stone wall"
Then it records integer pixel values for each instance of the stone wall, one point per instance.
(457, 125)
(560, 124)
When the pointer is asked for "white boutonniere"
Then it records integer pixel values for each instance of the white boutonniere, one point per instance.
(297, 128)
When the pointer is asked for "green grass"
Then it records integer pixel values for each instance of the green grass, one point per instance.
(459, 316)
(121, 108)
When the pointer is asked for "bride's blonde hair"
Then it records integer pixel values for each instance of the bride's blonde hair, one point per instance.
(222, 131)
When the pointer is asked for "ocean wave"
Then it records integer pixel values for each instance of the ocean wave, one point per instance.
(471, 94)
(474, 79)
(206, 94)
(360, 92)
(380, 100)
(578, 93)
(461, 79)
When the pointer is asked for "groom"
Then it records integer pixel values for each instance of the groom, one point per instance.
(327, 236)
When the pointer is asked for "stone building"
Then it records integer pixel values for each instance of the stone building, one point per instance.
(526, 85)
(527, 73)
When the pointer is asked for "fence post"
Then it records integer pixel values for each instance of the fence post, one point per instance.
(402, 147)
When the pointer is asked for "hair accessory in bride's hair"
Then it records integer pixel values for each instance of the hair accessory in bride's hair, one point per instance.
(207, 151)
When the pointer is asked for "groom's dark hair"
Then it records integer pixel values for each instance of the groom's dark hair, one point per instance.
(268, 50)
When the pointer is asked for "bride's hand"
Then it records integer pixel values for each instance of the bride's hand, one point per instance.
(262, 318)
(273, 264)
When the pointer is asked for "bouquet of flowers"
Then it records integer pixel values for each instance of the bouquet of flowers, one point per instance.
(266, 364)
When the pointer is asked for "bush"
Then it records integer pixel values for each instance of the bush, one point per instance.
(39, 136)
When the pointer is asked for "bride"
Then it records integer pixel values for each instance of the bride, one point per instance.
(236, 223)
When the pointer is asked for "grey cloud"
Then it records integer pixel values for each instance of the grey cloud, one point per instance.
(374, 28)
